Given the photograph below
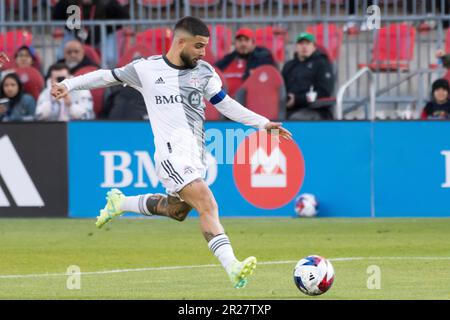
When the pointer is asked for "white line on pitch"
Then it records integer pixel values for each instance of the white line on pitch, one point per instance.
(41, 275)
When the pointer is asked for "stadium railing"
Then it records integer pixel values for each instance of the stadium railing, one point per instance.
(288, 17)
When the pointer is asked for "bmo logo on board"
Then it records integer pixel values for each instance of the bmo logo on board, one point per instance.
(268, 173)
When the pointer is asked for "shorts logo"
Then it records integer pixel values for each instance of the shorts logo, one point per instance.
(188, 170)
(194, 99)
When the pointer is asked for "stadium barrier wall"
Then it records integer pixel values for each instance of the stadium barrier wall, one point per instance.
(33, 170)
(356, 169)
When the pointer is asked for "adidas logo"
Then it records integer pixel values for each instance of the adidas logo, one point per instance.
(160, 81)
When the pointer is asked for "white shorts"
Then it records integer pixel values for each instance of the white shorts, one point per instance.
(176, 172)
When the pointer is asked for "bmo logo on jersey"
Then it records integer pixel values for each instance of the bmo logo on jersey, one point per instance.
(168, 99)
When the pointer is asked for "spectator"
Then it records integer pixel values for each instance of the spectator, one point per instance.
(439, 106)
(76, 105)
(25, 57)
(93, 10)
(307, 77)
(75, 57)
(124, 103)
(237, 65)
(15, 105)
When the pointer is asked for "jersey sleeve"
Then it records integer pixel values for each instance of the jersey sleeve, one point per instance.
(213, 90)
(128, 75)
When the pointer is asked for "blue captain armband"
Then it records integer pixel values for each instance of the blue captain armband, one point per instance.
(218, 97)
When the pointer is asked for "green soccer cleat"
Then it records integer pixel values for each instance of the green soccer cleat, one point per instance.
(114, 199)
(240, 271)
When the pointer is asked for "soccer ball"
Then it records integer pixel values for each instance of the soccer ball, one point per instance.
(313, 275)
(306, 205)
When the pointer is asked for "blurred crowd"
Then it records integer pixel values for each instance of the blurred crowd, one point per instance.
(305, 89)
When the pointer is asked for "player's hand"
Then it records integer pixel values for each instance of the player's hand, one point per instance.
(3, 59)
(285, 134)
(59, 91)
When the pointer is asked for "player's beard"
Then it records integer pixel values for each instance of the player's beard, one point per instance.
(187, 60)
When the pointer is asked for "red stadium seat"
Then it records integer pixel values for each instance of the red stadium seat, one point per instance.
(330, 32)
(211, 112)
(447, 41)
(393, 48)
(158, 39)
(263, 92)
(11, 40)
(223, 38)
(124, 39)
(274, 39)
(92, 54)
(32, 80)
(134, 52)
(97, 94)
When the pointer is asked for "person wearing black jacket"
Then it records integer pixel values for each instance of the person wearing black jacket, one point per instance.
(124, 103)
(238, 64)
(92, 10)
(308, 77)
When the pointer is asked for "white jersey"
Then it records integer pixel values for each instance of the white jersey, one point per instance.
(174, 99)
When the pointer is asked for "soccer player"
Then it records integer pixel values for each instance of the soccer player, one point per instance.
(173, 87)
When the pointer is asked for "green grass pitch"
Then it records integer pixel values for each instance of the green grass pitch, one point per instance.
(152, 258)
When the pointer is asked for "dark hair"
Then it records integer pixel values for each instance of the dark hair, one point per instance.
(30, 50)
(193, 26)
(440, 84)
(56, 67)
(13, 100)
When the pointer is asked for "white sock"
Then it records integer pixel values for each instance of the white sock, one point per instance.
(136, 204)
(221, 247)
